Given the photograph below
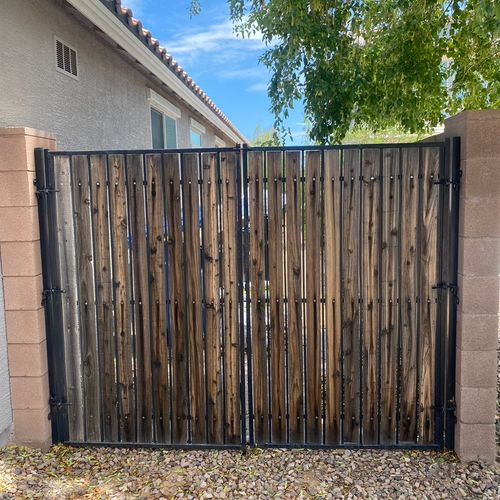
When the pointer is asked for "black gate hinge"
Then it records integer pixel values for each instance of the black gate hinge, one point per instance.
(47, 292)
(454, 183)
(56, 405)
(452, 287)
(43, 191)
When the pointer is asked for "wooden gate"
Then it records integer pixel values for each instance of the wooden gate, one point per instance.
(264, 296)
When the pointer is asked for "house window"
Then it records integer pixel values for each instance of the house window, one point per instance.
(196, 131)
(164, 117)
(66, 59)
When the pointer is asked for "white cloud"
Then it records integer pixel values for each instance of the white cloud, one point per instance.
(257, 87)
(217, 41)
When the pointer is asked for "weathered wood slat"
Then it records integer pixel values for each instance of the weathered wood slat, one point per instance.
(213, 319)
(276, 292)
(144, 383)
(156, 219)
(370, 231)
(390, 293)
(176, 287)
(122, 286)
(293, 218)
(258, 297)
(333, 302)
(312, 235)
(103, 283)
(85, 264)
(428, 306)
(351, 295)
(408, 297)
(69, 281)
(230, 279)
(193, 296)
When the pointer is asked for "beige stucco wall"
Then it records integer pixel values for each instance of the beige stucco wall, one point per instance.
(106, 108)
(5, 403)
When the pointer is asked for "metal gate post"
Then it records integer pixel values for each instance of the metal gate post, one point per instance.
(454, 174)
(52, 294)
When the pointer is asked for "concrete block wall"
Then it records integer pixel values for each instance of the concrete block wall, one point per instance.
(22, 285)
(478, 282)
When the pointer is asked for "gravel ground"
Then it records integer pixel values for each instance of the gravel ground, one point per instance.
(66, 472)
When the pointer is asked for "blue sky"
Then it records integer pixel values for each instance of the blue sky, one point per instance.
(226, 67)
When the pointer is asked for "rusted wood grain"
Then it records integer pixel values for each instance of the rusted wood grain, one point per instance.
(428, 306)
(312, 236)
(144, 383)
(193, 296)
(122, 293)
(258, 297)
(370, 234)
(104, 298)
(333, 302)
(176, 282)
(276, 292)
(85, 264)
(408, 297)
(390, 294)
(69, 281)
(213, 319)
(293, 217)
(351, 295)
(156, 220)
(231, 338)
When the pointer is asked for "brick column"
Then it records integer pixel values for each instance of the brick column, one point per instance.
(478, 281)
(22, 276)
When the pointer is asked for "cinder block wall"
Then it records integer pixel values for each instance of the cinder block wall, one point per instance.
(478, 282)
(22, 280)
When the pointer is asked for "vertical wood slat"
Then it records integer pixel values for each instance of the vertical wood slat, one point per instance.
(230, 280)
(156, 219)
(257, 305)
(312, 235)
(213, 320)
(351, 293)
(176, 264)
(144, 390)
(370, 228)
(276, 318)
(389, 333)
(102, 267)
(294, 297)
(85, 264)
(333, 303)
(68, 266)
(408, 297)
(193, 296)
(428, 307)
(122, 296)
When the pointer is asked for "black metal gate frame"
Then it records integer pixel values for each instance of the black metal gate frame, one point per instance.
(445, 355)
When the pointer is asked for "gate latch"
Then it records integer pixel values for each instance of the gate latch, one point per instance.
(56, 405)
(451, 408)
(452, 287)
(48, 292)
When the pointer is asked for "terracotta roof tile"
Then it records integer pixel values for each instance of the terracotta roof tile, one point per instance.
(126, 16)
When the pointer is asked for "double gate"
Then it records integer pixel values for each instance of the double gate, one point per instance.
(301, 296)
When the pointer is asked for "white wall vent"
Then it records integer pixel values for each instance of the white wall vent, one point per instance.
(66, 59)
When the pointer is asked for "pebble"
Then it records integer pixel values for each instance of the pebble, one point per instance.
(65, 472)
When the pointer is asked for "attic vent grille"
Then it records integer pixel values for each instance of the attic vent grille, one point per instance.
(66, 59)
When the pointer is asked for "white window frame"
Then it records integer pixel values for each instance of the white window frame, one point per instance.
(219, 143)
(197, 128)
(62, 71)
(166, 108)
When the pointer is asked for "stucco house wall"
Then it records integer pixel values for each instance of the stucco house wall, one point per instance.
(5, 403)
(106, 108)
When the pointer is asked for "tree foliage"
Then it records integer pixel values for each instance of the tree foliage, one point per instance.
(266, 137)
(376, 63)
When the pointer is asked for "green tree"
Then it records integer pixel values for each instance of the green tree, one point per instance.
(376, 63)
(267, 137)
